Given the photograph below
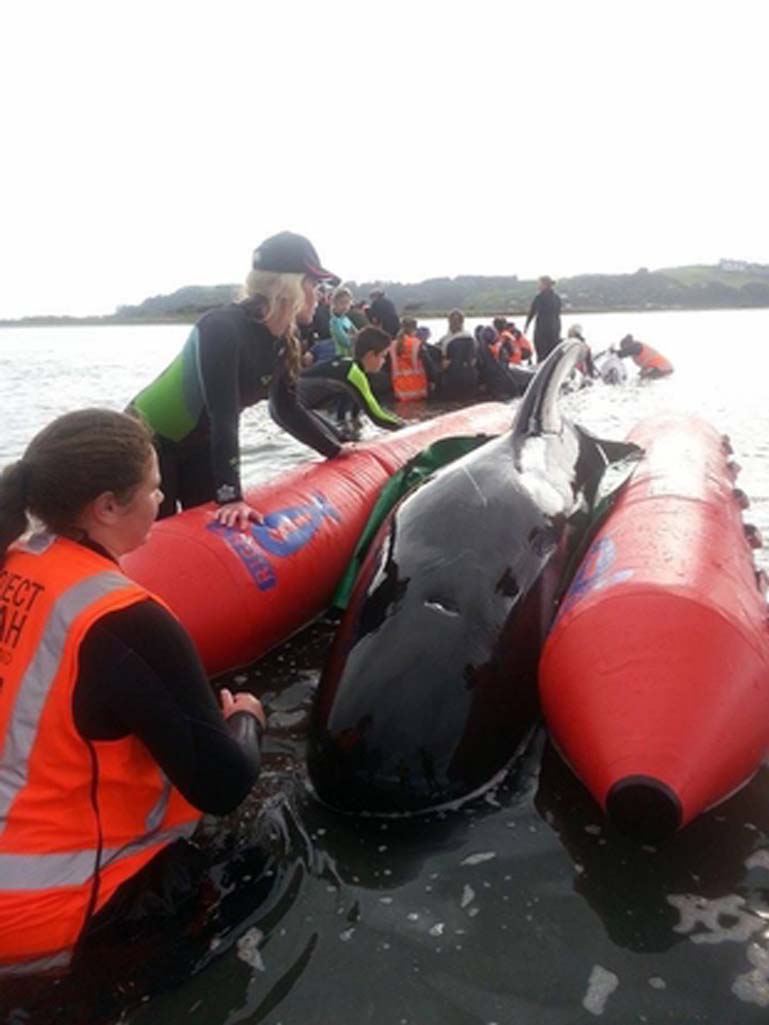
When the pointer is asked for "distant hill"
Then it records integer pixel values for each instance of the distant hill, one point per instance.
(729, 284)
(184, 303)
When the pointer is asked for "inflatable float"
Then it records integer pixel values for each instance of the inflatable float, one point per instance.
(239, 594)
(655, 677)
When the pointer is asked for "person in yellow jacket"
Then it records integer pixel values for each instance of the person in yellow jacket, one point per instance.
(651, 362)
(112, 742)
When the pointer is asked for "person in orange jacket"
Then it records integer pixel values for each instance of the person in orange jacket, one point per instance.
(112, 742)
(410, 367)
(651, 362)
(523, 344)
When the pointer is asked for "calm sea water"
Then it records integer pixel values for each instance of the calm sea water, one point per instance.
(520, 908)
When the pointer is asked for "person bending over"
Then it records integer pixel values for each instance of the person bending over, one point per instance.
(498, 379)
(652, 363)
(112, 743)
(324, 383)
(235, 356)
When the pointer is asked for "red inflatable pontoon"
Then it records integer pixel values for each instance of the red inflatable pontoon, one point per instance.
(239, 594)
(655, 677)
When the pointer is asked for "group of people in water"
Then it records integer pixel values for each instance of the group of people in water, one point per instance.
(399, 362)
(112, 741)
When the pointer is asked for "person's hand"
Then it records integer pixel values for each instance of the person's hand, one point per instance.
(237, 514)
(242, 702)
(346, 450)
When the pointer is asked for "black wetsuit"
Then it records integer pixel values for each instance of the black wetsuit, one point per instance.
(139, 674)
(382, 312)
(459, 380)
(546, 307)
(230, 361)
(325, 382)
(319, 329)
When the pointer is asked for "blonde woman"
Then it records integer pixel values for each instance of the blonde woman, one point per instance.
(235, 356)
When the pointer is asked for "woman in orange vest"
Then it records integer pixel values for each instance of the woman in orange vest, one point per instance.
(651, 362)
(410, 368)
(112, 743)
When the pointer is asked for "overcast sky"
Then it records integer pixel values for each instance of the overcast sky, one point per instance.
(146, 146)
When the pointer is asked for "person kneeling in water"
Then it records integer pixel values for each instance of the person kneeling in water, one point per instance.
(324, 383)
(651, 362)
(112, 742)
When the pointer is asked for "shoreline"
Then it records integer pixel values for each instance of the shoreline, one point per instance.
(112, 321)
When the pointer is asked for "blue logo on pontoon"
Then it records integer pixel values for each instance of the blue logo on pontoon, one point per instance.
(595, 573)
(288, 530)
(282, 533)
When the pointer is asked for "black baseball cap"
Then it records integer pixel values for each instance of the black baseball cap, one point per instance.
(287, 253)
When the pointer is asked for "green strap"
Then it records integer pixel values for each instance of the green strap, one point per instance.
(416, 470)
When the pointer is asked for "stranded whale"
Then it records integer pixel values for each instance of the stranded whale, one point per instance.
(430, 687)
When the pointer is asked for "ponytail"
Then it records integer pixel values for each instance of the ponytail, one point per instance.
(13, 505)
(70, 462)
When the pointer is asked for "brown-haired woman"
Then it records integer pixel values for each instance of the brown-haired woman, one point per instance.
(111, 739)
(235, 356)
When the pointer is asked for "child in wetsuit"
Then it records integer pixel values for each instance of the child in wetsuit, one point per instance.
(323, 383)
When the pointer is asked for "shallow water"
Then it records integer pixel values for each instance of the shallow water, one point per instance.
(521, 907)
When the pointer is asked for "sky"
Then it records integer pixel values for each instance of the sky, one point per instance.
(152, 145)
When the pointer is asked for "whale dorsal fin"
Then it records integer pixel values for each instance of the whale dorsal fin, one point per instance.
(538, 412)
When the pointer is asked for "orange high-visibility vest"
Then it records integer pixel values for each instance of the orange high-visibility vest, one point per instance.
(525, 347)
(408, 374)
(77, 817)
(506, 348)
(650, 359)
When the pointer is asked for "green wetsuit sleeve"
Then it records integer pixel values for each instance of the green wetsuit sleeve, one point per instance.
(381, 417)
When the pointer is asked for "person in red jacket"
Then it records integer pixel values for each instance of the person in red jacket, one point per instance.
(651, 362)
(112, 743)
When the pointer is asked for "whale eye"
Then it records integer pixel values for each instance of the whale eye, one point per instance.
(507, 584)
(543, 540)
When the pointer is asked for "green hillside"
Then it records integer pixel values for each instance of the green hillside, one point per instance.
(730, 284)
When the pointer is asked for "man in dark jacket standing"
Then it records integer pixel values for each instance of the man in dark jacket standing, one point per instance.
(546, 307)
(382, 313)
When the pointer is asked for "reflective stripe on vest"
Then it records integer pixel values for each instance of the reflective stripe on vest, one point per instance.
(21, 872)
(38, 679)
(36, 965)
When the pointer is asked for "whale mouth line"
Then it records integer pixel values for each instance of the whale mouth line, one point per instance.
(438, 606)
